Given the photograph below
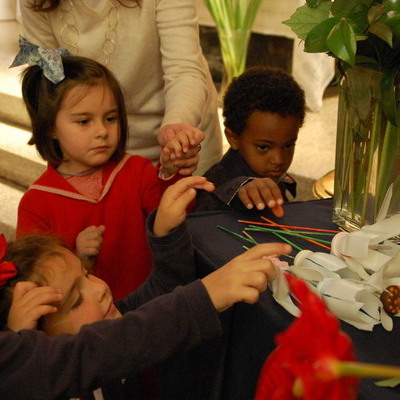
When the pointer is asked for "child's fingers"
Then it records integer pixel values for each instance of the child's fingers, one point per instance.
(278, 211)
(196, 182)
(267, 192)
(249, 295)
(172, 208)
(34, 295)
(260, 192)
(21, 288)
(251, 194)
(258, 280)
(193, 135)
(265, 249)
(197, 137)
(178, 145)
(245, 198)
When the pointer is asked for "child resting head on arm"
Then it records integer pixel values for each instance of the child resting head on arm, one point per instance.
(49, 288)
(263, 111)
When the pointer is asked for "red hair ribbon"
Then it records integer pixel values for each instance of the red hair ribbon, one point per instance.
(7, 268)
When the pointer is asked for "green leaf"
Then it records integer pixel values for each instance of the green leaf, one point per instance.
(358, 18)
(316, 39)
(305, 18)
(375, 13)
(342, 42)
(394, 24)
(382, 31)
(343, 8)
(392, 5)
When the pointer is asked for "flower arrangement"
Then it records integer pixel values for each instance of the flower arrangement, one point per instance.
(356, 32)
(323, 366)
(363, 35)
(234, 20)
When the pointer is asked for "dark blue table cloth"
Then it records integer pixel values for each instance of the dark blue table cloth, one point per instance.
(228, 367)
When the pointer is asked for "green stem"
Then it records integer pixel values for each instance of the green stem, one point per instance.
(386, 163)
(372, 144)
(288, 233)
(234, 20)
(366, 370)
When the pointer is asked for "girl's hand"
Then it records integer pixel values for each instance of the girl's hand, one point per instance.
(31, 302)
(172, 209)
(181, 145)
(245, 277)
(261, 193)
(88, 242)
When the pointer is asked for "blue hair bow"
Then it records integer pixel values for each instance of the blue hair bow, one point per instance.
(49, 60)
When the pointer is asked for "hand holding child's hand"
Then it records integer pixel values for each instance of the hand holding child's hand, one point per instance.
(181, 145)
(245, 277)
(88, 242)
(261, 192)
(172, 209)
(31, 302)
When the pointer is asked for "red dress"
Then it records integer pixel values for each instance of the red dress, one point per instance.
(131, 190)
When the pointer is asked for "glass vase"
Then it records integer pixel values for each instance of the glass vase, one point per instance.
(234, 45)
(367, 163)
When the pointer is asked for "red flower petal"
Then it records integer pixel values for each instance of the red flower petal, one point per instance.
(307, 351)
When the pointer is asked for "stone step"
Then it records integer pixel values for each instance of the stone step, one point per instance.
(10, 196)
(19, 162)
(20, 165)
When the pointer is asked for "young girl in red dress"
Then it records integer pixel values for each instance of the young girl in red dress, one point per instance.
(93, 195)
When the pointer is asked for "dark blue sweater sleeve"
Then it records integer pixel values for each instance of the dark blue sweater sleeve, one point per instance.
(36, 367)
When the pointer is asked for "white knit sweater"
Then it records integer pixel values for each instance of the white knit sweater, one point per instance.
(157, 58)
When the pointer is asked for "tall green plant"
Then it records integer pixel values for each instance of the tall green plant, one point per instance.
(234, 20)
(366, 34)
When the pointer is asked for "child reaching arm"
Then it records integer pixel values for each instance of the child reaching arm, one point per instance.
(179, 320)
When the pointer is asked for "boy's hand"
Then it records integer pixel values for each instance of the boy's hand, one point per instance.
(245, 277)
(31, 302)
(262, 192)
(172, 209)
(181, 145)
(88, 242)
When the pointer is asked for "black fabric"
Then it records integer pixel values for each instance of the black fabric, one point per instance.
(249, 330)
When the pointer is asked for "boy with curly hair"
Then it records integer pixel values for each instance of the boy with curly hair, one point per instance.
(263, 111)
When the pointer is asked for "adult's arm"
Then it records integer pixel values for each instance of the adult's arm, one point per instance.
(36, 367)
(185, 72)
(36, 26)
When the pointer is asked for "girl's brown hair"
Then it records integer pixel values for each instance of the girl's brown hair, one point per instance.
(43, 100)
(49, 5)
(27, 253)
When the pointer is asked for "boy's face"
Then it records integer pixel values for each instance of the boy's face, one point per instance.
(267, 143)
(86, 299)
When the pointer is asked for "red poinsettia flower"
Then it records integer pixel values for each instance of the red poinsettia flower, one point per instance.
(7, 268)
(304, 364)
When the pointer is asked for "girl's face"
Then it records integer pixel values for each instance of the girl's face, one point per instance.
(86, 298)
(87, 128)
(267, 144)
